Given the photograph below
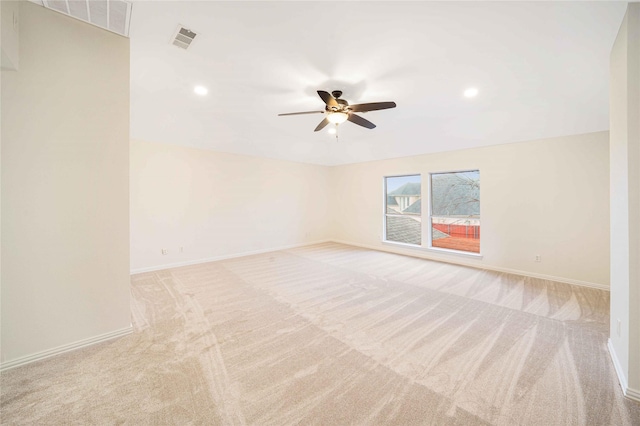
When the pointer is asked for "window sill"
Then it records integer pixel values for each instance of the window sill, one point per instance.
(435, 250)
(396, 243)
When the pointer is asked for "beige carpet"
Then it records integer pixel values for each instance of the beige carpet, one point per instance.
(331, 335)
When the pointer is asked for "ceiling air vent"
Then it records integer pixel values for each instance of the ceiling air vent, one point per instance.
(111, 15)
(183, 37)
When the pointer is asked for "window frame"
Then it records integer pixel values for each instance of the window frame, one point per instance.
(385, 214)
(425, 216)
(429, 218)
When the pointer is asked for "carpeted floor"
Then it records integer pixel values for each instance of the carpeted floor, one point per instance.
(331, 335)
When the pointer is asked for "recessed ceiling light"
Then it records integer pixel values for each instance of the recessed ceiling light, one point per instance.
(332, 130)
(200, 90)
(470, 92)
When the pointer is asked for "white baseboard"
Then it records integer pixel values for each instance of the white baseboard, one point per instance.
(422, 255)
(630, 393)
(616, 365)
(223, 257)
(406, 252)
(633, 394)
(65, 348)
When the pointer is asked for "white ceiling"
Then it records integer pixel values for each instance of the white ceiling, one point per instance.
(542, 70)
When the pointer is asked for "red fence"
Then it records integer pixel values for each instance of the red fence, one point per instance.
(460, 231)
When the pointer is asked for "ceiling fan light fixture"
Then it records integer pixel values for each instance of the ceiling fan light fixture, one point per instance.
(337, 117)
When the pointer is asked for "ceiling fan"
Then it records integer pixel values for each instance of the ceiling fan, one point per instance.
(338, 110)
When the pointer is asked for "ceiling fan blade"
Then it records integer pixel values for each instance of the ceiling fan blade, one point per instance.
(356, 119)
(300, 113)
(373, 106)
(327, 98)
(321, 125)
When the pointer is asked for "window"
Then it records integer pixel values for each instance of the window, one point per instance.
(455, 211)
(403, 209)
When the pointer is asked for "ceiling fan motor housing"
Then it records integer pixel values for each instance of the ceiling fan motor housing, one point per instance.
(342, 104)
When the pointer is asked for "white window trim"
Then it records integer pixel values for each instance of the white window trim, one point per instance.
(385, 214)
(435, 250)
(429, 245)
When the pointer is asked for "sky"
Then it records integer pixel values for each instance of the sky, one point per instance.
(394, 183)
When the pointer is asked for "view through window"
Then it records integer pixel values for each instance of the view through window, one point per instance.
(455, 211)
(403, 210)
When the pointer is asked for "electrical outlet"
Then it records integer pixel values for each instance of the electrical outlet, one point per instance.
(165, 251)
(619, 327)
(181, 249)
(538, 258)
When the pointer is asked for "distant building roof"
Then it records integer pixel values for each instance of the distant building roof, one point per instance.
(391, 200)
(403, 230)
(436, 234)
(414, 208)
(408, 189)
(392, 210)
(455, 194)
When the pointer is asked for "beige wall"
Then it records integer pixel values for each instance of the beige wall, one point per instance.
(9, 30)
(216, 205)
(625, 202)
(547, 197)
(65, 151)
(554, 192)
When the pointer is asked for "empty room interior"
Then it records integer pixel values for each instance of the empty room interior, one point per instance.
(316, 212)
